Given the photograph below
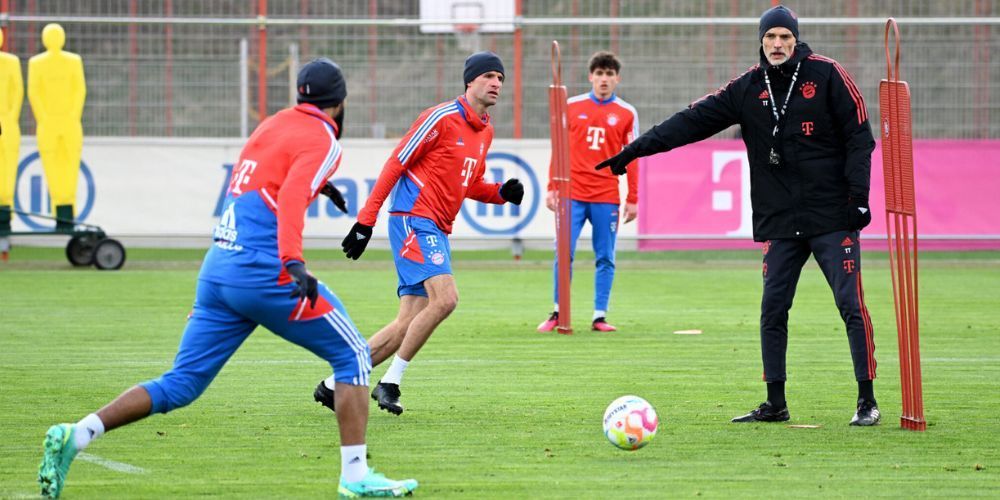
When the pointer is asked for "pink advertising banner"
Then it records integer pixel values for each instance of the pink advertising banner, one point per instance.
(697, 196)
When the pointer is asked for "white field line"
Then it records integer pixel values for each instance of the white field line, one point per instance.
(111, 464)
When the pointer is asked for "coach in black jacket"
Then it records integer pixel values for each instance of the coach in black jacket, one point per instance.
(807, 136)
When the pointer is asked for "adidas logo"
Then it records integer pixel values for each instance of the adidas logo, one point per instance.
(847, 242)
(460, 142)
(359, 236)
(355, 460)
(91, 431)
(764, 95)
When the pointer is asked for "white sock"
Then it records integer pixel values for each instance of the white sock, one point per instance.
(329, 383)
(555, 308)
(395, 372)
(600, 314)
(87, 430)
(353, 462)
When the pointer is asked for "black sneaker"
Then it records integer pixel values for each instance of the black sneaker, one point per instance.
(387, 396)
(867, 413)
(324, 396)
(765, 413)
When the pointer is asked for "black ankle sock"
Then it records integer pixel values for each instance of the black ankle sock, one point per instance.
(866, 391)
(776, 393)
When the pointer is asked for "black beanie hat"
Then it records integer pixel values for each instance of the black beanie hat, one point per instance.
(779, 17)
(320, 82)
(480, 63)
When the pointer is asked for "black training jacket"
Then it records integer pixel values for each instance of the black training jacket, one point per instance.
(824, 142)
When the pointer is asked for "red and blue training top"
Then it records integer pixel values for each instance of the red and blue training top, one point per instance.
(438, 163)
(599, 130)
(283, 166)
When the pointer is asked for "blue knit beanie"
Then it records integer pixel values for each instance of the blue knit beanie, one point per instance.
(480, 63)
(779, 17)
(321, 82)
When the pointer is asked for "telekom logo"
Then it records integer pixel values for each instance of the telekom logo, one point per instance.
(595, 136)
(468, 166)
(242, 176)
(722, 200)
(849, 266)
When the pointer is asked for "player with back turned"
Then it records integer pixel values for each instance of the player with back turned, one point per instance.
(809, 143)
(255, 274)
(437, 165)
(600, 124)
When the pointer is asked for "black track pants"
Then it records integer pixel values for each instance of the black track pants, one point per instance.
(839, 256)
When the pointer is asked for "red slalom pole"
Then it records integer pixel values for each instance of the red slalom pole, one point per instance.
(559, 132)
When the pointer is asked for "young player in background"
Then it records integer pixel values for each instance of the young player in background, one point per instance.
(437, 165)
(600, 125)
(255, 274)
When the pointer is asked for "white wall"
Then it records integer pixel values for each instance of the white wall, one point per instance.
(162, 188)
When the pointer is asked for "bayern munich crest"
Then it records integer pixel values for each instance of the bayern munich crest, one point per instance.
(437, 257)
(808, 90)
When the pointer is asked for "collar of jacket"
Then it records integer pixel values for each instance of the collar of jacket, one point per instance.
(312, 109)
(593, 97)
(477, 123)
(802, 51)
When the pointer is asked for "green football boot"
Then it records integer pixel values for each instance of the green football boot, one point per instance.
(376, 485)
(60, 450)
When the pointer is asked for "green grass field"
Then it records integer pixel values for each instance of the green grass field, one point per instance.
(495, 409)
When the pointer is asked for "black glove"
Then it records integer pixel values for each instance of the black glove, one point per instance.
(305, 283)
(331, 191)
(512, 191)
(356, 241)
(618, 163)
(858, 214)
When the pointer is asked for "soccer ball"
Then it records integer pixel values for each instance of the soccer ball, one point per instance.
(630, 422)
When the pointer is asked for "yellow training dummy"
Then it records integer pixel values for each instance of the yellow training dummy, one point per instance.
(56, 90)
(11, 96)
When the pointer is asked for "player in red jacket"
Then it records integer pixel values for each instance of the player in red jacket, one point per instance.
(437, 165)
(255, 274)
(600, 124)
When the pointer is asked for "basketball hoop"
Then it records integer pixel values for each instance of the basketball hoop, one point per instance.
(467, 36)
(467, 20)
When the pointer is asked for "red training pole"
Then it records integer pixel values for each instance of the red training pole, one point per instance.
(559, 132)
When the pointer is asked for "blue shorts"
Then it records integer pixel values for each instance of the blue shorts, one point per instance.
(421, 251)
(224, 316)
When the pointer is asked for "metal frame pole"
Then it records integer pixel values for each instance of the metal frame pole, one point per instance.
(518, 65)
(133, 68)
(261, 61)
(244, 88)
(168, 77)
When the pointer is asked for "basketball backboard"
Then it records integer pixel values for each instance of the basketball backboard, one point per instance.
(467, 12)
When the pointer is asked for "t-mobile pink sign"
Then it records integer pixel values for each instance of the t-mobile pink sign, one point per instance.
(702, 192)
